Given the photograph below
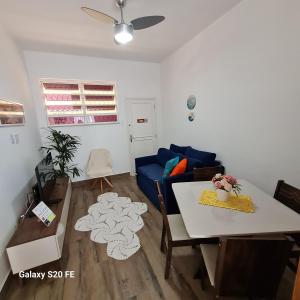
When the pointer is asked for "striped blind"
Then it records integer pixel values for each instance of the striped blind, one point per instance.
(79, 103)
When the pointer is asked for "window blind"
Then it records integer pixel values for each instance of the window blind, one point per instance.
(79, 103)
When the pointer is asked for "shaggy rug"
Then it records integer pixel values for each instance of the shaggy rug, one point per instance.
(114, 220)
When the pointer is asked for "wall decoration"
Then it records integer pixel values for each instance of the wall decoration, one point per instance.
(191, 117)
(191, 102)
(11, 113)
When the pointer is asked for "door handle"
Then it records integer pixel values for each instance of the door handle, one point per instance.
(130, 138)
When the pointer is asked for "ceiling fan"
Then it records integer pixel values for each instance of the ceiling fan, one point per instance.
(123, 30)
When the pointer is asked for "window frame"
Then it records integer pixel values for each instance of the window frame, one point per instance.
(80, 83)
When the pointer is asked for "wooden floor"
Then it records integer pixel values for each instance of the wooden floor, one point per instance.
(99, 277)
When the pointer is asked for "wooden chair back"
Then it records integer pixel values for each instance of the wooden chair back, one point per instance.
(288, 195)
(164, 215)
(251, 266)
(207, 173)
(99, 163)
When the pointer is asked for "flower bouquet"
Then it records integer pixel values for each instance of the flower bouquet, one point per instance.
(224, 184)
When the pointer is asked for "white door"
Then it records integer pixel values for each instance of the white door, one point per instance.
(141, 129)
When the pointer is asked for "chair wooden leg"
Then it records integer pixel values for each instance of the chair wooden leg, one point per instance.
(163, 239)
(108, 182)
(101, 184)
(168, 261)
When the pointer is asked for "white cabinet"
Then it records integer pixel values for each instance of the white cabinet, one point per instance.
(38, 251)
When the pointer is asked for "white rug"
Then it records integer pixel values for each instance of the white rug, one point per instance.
(114, 220)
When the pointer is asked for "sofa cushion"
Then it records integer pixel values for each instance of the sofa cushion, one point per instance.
(163, 155)
(193, 163)
(204, 157)
(178, 149)
(152, 171)
(170, 165)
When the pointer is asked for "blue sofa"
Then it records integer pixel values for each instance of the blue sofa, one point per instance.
(149, 170)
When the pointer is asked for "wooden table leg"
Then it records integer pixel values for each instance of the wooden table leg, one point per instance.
(296, 293)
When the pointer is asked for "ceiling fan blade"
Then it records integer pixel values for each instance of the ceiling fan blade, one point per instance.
(100, 16)
(145, 22)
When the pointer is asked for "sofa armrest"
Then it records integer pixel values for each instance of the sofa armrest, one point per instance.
(168, 181)
(166, 188)
(186, 177)
(145, 160)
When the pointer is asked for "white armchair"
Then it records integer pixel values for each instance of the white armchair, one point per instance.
(100, 165)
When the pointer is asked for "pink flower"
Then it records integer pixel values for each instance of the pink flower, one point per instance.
(230, 179)
(227, 186)
(218, 184)
(217, 177)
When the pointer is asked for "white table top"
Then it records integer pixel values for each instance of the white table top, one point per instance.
(202, 221)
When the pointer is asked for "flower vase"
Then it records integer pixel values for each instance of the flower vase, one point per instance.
(222, 195)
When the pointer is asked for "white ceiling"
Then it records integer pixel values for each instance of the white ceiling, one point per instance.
(60, 26)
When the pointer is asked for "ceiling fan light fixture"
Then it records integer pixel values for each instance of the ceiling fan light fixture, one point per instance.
(123, 33)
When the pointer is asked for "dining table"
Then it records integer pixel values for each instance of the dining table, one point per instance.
(203, 221)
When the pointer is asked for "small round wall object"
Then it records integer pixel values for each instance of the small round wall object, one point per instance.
(191, 102)
(191, 117)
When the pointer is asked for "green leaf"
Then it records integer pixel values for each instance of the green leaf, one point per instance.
(63, 148)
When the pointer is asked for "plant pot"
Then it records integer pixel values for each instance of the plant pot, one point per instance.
(222, 195)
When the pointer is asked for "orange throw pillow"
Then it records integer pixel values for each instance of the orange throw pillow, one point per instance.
(179, 168)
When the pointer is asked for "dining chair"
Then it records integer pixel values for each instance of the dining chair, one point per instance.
(100, 165)
(207, 173)
(175, 232)
(246, 266)
(290, 197)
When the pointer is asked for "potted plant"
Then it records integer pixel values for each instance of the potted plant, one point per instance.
(63, 148)
(224, 184)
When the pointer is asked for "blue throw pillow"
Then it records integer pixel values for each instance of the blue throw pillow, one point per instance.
(170, 165)
(164, 155)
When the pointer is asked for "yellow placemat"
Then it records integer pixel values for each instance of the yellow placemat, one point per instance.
(242, 202)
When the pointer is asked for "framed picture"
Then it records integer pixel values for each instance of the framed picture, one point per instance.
(11, 113)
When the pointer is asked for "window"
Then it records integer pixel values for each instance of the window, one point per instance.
(77, 103)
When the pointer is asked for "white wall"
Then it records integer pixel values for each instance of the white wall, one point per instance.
(245, 72)
(133, 79)
(18, 160)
